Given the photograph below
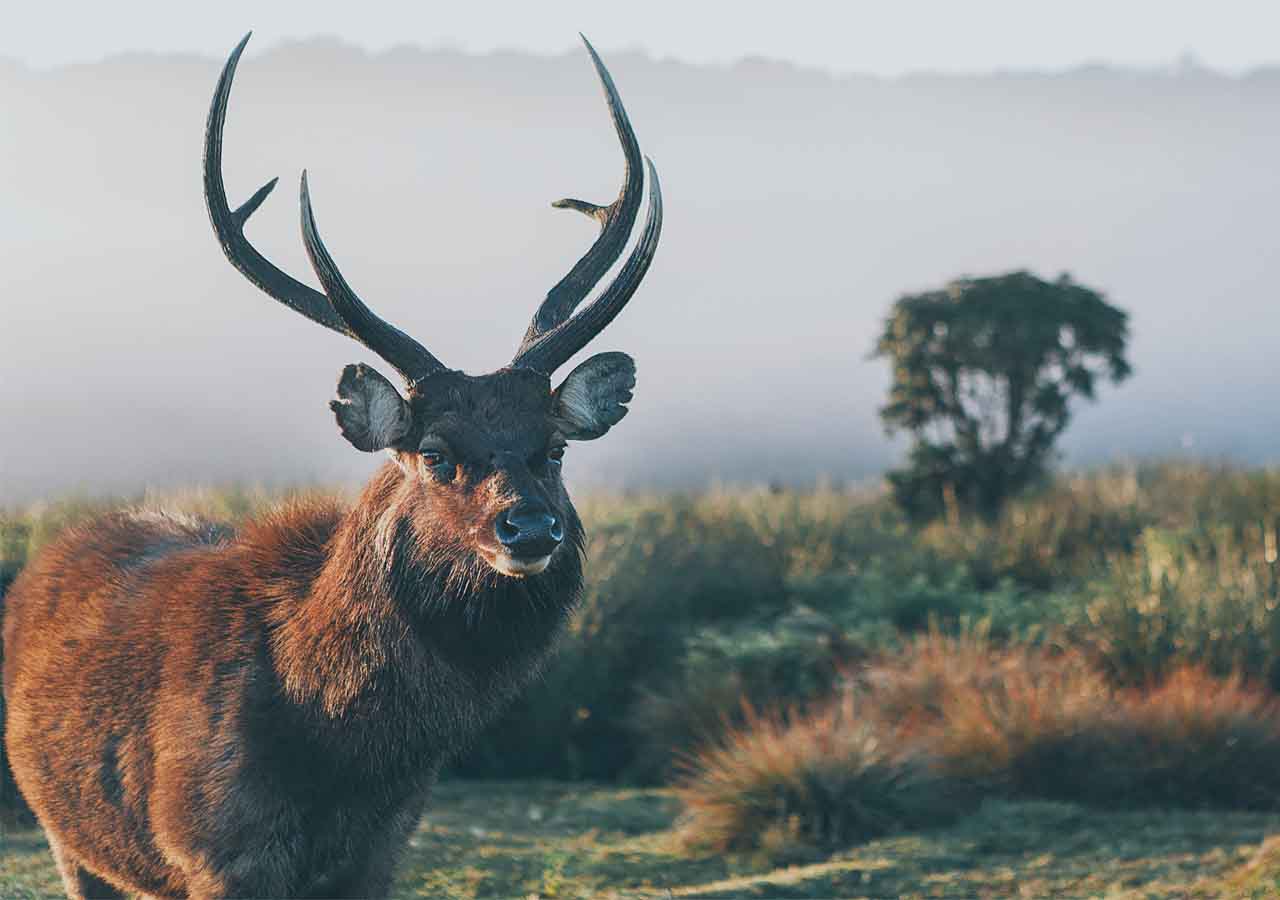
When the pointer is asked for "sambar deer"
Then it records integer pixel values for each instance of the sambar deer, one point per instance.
(200, 712)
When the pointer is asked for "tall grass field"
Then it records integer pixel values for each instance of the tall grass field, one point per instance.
(802, 694)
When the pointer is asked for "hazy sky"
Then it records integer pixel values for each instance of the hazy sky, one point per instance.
(138, 356)
(885, 38)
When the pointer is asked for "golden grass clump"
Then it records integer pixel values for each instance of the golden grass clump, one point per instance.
(825, 777)
(1046, 723)
(918, 736)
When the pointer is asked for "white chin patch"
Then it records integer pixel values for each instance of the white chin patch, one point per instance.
(518, 568)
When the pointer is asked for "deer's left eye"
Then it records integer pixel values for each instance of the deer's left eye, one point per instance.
(555, 456)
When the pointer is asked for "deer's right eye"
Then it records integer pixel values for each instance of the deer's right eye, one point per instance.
(439, 464)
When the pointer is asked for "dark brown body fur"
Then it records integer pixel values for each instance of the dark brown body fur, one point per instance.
(193, 712)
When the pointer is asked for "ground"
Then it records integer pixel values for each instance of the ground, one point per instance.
(522, 839)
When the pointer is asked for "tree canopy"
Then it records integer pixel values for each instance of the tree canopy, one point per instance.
(983, 374)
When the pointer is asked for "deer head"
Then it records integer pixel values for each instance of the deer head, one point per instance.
(483, 452)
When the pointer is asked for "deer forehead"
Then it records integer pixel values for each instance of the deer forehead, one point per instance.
(504, 411)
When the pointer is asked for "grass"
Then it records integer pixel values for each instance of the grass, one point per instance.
(696, 601)
(555, 840)
(824, 778)
(912, 741)
(1050, 727)
(1111, 638)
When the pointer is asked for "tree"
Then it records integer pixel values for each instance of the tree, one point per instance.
(983, 374)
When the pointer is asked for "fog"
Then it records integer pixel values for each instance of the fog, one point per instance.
(798, 205)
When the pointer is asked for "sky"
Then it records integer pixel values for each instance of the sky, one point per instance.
(882, 38)
(797, 208)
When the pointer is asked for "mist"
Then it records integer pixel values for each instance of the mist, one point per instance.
(798, 205)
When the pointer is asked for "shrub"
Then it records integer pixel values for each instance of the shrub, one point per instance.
(794, 659)
(696, 602)
(823, 778)
(1056, 534)
(1191, 495)
(1193, 741)
(917, 736)
(1043, 723)
(999, 722)
(1205, 597)
(917, 684)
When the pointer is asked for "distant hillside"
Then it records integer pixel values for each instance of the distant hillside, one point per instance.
(798, 206)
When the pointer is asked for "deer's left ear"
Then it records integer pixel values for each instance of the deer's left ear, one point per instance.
(593, 398)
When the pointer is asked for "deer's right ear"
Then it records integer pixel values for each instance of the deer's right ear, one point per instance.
(370, 411)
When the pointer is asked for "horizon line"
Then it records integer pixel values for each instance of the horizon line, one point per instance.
(1185, 65)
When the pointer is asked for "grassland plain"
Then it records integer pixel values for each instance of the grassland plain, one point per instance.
(695, 602)
(557, 840)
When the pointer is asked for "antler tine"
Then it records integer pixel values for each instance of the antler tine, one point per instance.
(616, 220)
(409, 358)
(550, 351)
(229, 226)
(341, 310)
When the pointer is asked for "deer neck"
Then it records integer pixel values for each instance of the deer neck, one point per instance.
(393, 621)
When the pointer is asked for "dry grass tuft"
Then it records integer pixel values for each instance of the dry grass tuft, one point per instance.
(824, 778)
(919, 735)
(1044, 723)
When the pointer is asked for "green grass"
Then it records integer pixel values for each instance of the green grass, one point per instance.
(546, 839)
(694, 602)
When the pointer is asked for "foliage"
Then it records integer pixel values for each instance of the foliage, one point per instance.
(824, 778)
(922, 732)
(1107, 639)
(983, 374)
(793, 660)
(1059, 534)
(927, 730)
(695, 603)
(1205, 596)
(1042, 722)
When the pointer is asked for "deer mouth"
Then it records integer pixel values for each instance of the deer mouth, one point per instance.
(520, 567)
(506, 563)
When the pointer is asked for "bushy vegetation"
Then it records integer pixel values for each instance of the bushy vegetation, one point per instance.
(1043, 723)
(697, 603)
(825, 778)
(818, 673)
(1205, 596)
(984, 374)
(917, 736)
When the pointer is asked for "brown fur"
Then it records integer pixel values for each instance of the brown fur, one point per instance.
(196, 712)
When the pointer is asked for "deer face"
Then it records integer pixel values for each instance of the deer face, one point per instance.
(486, 452)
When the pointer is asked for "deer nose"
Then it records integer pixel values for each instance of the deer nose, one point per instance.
(529, 532)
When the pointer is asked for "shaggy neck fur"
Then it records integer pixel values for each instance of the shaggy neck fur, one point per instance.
(402, 635)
